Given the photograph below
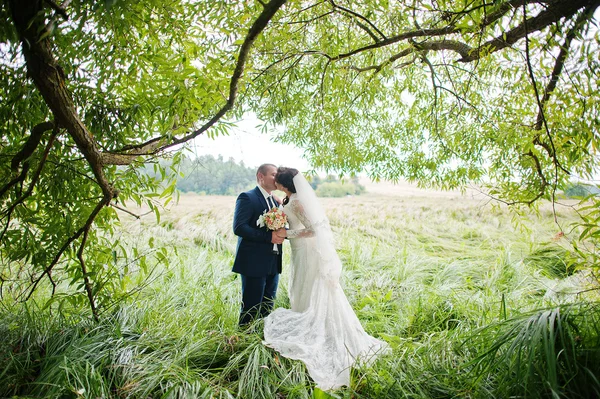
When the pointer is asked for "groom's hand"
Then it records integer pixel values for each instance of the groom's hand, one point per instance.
(275, 238)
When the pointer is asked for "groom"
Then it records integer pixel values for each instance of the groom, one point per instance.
(258, 267)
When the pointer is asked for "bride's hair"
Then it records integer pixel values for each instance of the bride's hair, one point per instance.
(285, 177)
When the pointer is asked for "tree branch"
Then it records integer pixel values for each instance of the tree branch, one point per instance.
(31, 144)
(556, 71)
(362, 26)
(395, 39)
(538, 166)
(49, 78)
(59, 10)
(127, 154)
(8, 212)
(84, 229)
(125, 210)
(23, 155)
(86, 279)
(389, 61)
(556, 9)
(586, 15)
(462, 49)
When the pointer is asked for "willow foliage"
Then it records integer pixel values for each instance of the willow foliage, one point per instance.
(441, 92)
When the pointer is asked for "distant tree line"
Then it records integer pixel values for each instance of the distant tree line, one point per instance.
(580, 190)
(333, 187)
(208, 175)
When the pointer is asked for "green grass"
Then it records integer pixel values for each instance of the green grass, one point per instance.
(472, 306)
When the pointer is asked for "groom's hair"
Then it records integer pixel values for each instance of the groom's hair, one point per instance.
(262, 169)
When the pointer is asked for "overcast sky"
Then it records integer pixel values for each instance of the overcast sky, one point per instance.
(246, 143)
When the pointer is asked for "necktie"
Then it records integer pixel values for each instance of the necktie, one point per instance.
(270, 202)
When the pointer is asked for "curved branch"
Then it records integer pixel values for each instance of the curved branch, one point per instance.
(49, 79)
(86, 278)
(586, 15)
(22, 156)
(556, 71)
(8, 212)
(59, 10)
(461, 48)
(32, 142)
(541, 119)
(395, 39)
(84, 229)
(553, 13)
(545, 124)
(389, 61)
(127, 154)
(362, 26)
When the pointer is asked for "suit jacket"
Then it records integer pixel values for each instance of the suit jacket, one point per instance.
(254, 255)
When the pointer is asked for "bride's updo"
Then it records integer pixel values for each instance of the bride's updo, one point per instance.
(285, 177)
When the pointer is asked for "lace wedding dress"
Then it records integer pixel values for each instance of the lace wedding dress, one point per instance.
(321, 328)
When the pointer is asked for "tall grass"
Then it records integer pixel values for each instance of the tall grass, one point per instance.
(472, 307)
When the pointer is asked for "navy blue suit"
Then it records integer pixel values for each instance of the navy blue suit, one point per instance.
(254, 259)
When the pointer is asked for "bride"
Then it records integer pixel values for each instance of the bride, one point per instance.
(321, 329)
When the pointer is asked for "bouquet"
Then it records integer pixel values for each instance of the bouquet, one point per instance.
(273, 219)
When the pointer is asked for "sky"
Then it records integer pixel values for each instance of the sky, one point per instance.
(246, 143)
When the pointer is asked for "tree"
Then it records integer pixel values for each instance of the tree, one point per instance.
(441, 92)
(90, 92)
(212, 176)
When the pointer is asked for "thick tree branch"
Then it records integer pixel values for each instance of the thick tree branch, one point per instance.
(23, 155)
(556, 10)
(8, 212)
(59, 10)
(127, 154)
(31, 144)
(389, 61)
(49, 78)
(461, 48)
(396, 39)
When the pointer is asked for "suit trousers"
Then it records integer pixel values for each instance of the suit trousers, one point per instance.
(258, 295)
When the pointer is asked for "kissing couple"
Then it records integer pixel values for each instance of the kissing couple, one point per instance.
(321, 328)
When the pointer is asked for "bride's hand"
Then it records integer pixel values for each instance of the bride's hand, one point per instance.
(281, 233)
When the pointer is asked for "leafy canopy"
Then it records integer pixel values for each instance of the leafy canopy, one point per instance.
(441, 92)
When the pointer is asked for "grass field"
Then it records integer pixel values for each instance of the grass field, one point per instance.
(475, 302)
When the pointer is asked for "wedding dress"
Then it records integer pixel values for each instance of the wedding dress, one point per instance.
(321, 328)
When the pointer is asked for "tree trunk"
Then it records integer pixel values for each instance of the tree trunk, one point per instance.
(49, 78)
